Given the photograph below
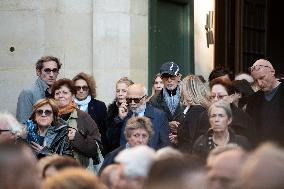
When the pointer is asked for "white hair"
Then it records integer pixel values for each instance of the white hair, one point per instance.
(244, 76)
(10, 122)
(137, 161)
(168, 152)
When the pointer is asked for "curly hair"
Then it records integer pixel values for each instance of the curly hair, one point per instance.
(138, 123)
(194, 91)
(39, 63)
(59, 83)
(90, 80)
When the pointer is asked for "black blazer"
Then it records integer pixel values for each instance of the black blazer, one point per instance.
(98, 111)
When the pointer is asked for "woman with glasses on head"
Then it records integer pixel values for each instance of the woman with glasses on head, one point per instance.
(241, 122)
(85, 98)
(83, 132)
(220, 132)
(45, 132)
(113, 125)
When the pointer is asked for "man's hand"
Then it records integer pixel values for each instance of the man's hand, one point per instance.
(122, 110)
(173, 126)
(23, 132)
(173, 138)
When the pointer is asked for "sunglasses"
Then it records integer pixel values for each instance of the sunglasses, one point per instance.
(48, 70)
(40, 112)
(85, 88)
(4, 130)
(218, 96)
(136, 100)
(257, 67)
(167, 76)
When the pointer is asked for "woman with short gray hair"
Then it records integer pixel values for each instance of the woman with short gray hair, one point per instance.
(219, 133)
(138, 131)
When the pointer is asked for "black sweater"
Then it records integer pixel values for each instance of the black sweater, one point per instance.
(268, 115)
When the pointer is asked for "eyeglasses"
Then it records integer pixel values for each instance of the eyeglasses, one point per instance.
(257, 67)
(4, 130)
(48, 70)
(136, 100)
(217, 96)
(167, 76)
(85, 88)
(40, 112)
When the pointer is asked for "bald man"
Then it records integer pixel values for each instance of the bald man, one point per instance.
(266, 106)
(136, 105)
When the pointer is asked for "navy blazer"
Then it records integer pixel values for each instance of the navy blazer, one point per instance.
(109, 158)
(160, 124)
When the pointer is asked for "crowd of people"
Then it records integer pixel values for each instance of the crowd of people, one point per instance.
(224, 133)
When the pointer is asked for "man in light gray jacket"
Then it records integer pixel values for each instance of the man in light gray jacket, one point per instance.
(47, 70)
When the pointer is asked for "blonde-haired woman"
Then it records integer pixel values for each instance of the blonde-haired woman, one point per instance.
(114, 126)
(195, 98)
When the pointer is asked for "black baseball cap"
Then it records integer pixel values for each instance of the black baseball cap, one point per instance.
(169, 68)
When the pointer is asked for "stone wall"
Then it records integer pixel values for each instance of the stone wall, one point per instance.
(98, 37)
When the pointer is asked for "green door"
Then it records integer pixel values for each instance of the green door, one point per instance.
(170, 35)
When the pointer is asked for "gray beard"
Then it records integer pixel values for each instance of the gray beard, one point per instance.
(139, 109)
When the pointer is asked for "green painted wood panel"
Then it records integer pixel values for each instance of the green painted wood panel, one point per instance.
(170, 35)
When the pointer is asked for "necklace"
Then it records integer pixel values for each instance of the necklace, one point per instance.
(223, 142)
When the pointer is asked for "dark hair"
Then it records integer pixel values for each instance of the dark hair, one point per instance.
(66, 82)
(243, 87)
(155, 77)
(59, 163)
(39, 63)
(90, 82)
(201, 78)
(227, 84)
(170, 169)
(220, 71)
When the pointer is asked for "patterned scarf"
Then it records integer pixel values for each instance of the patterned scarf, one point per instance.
(172, 101)
(70, 108)
(83, 104)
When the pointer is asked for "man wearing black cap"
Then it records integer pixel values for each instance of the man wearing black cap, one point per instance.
(168, 99)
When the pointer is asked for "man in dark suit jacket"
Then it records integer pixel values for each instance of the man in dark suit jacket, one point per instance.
(136, 105)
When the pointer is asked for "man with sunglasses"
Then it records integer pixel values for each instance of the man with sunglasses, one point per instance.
(136, 105)
(47, 70)
(168, 100)
(266, 106)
